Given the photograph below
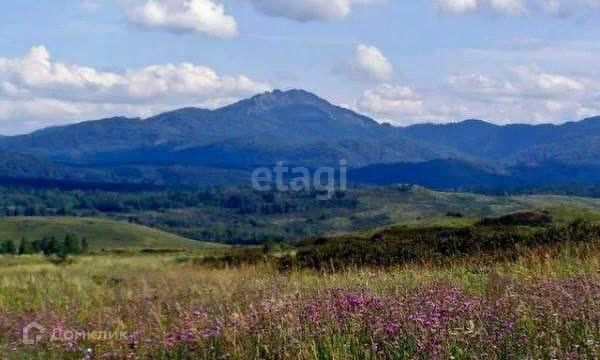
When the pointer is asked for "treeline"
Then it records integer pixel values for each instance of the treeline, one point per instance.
(48, 245)
(22, 201)
(237, 215)
(584, 190)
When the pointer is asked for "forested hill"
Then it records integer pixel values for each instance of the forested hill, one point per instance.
(198, 146)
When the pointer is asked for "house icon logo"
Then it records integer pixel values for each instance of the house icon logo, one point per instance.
(33, 333)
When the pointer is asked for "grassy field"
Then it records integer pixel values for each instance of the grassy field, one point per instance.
(544, 305)
(540, 302)
(390, 205)
(242, 216)
(101, 234)
(420, 205)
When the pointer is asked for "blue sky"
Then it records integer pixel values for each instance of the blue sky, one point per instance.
(505, 61)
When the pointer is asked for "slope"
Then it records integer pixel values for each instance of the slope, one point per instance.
(101, 234)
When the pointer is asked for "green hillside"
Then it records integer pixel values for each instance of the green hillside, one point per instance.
(101, 233)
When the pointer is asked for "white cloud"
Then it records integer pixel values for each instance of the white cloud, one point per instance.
(511, 7)
(523, 81)
(562, 8)
(458, 6)
(402, 105)
(518, 94)
(180, 16)
(371, 61)
(36, 71)
(526, 94)
(36, 88)
(484, 84)
(24, 115)
(310, 10)
(389, 102)
(537, 80)
(187, 81)
(368, 63)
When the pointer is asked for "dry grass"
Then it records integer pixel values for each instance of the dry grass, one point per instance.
(150, 297)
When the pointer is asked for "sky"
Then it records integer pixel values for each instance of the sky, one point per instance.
(398, 61)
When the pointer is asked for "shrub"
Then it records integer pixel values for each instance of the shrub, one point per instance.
(401, 245)
(454, 214)
(8, 247)
(237, 257)
(527, 218)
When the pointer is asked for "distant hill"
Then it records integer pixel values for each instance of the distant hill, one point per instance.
(201, 147)
(20, 165)
(294, 126)
(462, 175)
(101, 234)
(572, 143)
(434, 174)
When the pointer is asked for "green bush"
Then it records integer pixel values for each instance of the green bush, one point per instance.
(401, 245)
(526, 218)
(8, 247)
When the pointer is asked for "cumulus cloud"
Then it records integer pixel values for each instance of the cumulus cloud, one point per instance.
(34, 85)
(371, 61)
(368, 63)
(390, 102)
(510, 7)
(181, 16)
(537, 80)
(402, 105)
(309, 10)
(527, 94)
(35, 72)
(524, 81)
(187, 82)
(562, 8)
(518, 94)
(484, 84)
(23, 115)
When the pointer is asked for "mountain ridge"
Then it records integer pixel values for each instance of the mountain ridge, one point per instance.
(277, 122)
(300, 128)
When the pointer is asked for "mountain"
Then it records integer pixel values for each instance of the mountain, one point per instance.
(448, 174)
(15, 165)
(434, 174)
(293, 126)
(198, 146)
(573, 142)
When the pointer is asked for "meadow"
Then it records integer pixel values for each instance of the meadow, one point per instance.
(545, 304)
(101, 233)
(241, 216)
(448, 280)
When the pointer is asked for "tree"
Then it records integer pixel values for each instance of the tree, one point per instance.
(84, 245)
(70, 245)
(8, 247)
(39, 245)
(53, 247)
(25, 247)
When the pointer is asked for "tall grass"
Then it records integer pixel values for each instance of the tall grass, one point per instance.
(546, 304)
